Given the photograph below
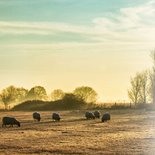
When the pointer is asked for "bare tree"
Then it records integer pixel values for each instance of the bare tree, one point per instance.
(12, 94)
(138, 93)
(86, 93)
(144, 86)
(152, 77)
(57, 94)
(37, 93)
(134, 91)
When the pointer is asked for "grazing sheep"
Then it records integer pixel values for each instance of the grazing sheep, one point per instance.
(89, 115)
(10, 121)
(36, 116)
(56, 117)
(106, 117)
(97, 114)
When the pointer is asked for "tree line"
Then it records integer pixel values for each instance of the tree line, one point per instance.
(13, 95)
(142, 85)
(141, 91)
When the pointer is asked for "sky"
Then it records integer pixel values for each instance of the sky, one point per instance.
(63, 44)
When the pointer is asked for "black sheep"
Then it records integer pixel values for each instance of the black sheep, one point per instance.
(56, 117)
(89, 115)
(10, 121)
(97, 114)
(36, 116)
(106, 117)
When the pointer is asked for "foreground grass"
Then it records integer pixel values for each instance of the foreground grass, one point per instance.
(129, 132)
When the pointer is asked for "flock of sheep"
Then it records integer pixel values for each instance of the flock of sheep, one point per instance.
(55, 116)
(96, 114)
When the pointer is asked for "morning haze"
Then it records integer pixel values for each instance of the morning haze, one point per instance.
(77, 77)
(67, 43)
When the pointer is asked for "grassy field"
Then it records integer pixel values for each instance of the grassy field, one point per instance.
(128, 132)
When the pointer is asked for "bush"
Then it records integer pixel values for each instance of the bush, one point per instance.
(29, 105)
(69, 102)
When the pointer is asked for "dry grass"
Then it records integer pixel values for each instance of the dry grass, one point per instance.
(129, 132)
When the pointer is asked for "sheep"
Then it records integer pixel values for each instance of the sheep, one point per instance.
(36, 116)
(56, 117)
(10, 121)
(97, 114)
(106, 117)
(89, 115)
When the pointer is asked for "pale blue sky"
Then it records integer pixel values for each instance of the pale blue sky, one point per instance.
(68, 43)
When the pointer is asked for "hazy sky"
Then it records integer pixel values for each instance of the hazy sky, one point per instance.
(69, 43)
